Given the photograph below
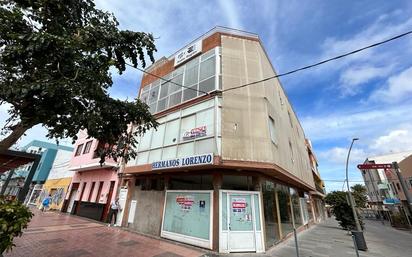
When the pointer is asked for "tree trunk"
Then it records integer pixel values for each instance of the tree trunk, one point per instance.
(16, 133)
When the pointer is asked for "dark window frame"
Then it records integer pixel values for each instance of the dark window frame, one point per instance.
(79, 150)
(87, 147)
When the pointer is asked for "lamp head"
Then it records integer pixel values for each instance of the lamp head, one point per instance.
(354, 139)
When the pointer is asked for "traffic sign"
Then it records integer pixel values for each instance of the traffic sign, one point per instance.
(370, 166)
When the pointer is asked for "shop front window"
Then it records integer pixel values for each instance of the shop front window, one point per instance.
(285, 210)
(270, 213)
(296, 207)
(200, 182)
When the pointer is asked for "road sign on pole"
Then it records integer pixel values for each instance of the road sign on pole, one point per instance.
(370, 166)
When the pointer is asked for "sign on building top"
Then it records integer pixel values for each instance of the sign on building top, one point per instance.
(188, 52)
(194, 160)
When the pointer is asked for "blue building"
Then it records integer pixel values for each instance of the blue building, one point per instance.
(48, 152)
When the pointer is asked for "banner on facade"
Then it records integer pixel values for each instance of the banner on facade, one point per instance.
(195, 160)
(195, 133)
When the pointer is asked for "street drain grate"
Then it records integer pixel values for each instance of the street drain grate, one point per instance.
(52, 241)
(168, 254)
(128, 243)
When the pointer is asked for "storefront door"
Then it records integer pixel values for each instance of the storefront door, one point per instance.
(240, 226)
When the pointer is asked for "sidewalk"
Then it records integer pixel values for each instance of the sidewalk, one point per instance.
(56, 234)
(60, 235)
(329, 240)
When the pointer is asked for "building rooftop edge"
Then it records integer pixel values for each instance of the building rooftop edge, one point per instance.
(212, 31)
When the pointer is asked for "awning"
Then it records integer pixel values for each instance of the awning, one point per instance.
(13, 159)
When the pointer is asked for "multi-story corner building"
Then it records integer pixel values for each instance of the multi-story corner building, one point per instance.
(226, 169)
(50, 155)
(383, 186)
(317, 196)
(93, 185)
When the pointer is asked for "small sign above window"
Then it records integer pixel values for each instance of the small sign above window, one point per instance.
(188, 52)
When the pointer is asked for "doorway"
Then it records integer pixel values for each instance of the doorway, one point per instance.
(108, 201)
(72, 197)
(240, 221)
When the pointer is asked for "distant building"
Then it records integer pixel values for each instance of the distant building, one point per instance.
(58, 181)
(93, 185)
(48, 153)
(317, 196)
(224, 170)
(385, 193)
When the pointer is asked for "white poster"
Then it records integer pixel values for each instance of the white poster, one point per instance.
(132, 211)
(122, 202)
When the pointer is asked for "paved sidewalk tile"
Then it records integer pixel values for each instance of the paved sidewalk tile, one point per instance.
(60, 235)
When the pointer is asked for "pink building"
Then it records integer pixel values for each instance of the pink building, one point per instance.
(93, 186)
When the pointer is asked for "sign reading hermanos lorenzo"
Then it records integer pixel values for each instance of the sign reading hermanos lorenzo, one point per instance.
(188, 52)
(194, 160)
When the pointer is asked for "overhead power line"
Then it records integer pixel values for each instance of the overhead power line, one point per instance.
(282, 74)
(321, 62)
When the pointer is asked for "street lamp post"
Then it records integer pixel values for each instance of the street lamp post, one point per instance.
(358, 234)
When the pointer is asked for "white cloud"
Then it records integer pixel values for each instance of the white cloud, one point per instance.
(396, 140)
(352, 78)
(355, 122)
(397, 88)
(230, 10)
(338, 155)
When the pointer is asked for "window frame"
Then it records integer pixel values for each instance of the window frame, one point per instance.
(87, 147)
(79, 150)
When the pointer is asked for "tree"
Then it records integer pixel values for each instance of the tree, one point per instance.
(359, 194)
(55, 57)
(341, 209)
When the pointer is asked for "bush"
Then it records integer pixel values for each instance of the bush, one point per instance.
(342, 210)
(14, 217)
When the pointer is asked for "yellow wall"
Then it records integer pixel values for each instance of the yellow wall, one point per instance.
(58, 188)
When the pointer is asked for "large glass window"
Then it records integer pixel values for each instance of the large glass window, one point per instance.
(270, 213)
(158, 135)
(184, 211)
(296, 207)
(171, 136)
(196, 75)
(285, 209)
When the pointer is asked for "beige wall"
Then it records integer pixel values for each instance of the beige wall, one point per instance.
(245, 111)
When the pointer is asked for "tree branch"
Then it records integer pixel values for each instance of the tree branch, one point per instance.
(17, 131)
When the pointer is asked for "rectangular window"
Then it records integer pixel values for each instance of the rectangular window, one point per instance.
(207, 68)
(207, 85)
(175, 99)
(272, 130)
(291, 152)
(87, 147)
(79, 150)
(190, 93)
(158, 135)
(172, 132)
(154, 93)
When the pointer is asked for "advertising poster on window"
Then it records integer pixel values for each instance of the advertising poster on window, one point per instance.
(184, 212)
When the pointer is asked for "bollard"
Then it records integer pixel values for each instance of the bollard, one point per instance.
(356, 246)
(296, 242)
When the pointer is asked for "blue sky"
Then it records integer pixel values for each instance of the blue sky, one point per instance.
(368, 95)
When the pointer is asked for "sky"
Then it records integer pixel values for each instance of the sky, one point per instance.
(367, 95)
